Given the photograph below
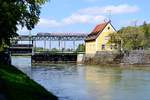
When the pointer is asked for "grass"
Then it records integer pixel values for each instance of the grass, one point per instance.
(15, 85)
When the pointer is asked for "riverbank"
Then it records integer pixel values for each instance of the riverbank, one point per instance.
(15, 85)
(134, 57)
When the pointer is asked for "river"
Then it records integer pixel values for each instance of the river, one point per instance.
(84, 82)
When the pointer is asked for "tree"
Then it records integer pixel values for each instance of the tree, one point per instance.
(81, 48)
(146, 29)
(129, 38)
(17, 12)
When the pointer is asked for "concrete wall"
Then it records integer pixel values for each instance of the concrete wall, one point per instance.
(80, 58)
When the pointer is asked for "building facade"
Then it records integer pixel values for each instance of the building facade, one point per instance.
(97, 40)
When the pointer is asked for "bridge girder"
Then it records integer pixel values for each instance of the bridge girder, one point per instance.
(52, 37)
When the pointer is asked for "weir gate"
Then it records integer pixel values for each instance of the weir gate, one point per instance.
(62, 54)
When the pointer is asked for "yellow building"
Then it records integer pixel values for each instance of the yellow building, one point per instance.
(97, 40)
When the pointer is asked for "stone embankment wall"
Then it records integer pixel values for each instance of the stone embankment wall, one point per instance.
(136, 57)
(131, 57)
(102, 57)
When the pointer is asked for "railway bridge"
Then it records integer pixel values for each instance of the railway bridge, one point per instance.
(49, 37)
(62, 38)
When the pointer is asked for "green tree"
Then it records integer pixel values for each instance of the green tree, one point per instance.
(54, 50)
(81, 48)
(146, 29)
(17, 12)
(129, 38)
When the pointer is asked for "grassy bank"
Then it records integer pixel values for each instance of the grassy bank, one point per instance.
(15, 85)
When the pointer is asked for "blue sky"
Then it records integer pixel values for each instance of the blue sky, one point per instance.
(84, 15)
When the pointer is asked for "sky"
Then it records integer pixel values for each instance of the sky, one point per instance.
(84, 15)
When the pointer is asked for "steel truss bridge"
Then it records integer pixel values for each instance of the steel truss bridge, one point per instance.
(45, 37)
(53, 37)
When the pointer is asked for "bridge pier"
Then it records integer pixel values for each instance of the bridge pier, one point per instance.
(44, 45)
(64, 45)
(50, 46)
(74, 45)
(34, 46)
(59, 45)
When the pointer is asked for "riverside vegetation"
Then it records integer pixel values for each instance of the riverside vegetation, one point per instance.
(131, 38)
(15, 85)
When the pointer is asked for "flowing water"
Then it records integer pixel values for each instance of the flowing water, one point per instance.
(83, 82)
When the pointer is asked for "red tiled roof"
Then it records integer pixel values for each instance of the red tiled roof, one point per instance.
(97, 30)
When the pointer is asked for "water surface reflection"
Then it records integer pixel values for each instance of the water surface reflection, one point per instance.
(80, 82)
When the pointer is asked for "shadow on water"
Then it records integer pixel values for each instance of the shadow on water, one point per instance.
(88, 82)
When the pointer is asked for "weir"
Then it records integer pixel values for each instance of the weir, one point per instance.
(61, 55)
(57, 58)
(21, 49)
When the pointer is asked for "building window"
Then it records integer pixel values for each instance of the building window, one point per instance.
(108, 28)
(103, 47)
(111, 47)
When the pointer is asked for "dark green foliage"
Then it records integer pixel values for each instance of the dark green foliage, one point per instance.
(132, 37)
(146, 29)
(14, 85)
(81, 48)
(17, 12)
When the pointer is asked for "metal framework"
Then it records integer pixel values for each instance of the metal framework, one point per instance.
(60, 37)
(53, 37)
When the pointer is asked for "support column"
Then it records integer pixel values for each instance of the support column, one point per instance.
(74, 44)
(59, 45)
(32, 42)
(64, 45)
(32, 46)
(50, 45)
(44, 44)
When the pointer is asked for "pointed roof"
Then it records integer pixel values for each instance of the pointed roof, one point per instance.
(96, 32)
(99, 27)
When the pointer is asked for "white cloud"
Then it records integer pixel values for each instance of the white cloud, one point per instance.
(87, 15)
(82, 19)
(48, 23)
(96, 14)
(120, 9)
(98, 18)
(73, 19)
